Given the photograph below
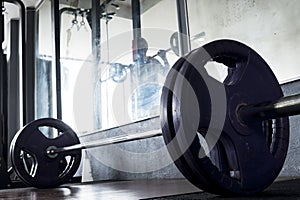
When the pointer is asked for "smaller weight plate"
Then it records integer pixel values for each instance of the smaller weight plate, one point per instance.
(29, 156)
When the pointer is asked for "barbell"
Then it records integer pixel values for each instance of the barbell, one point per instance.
(227, 137)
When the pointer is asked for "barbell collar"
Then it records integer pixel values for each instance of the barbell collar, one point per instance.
(285, 106)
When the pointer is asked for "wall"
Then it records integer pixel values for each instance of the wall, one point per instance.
(291, 166)
(272, 28)
(141, 159)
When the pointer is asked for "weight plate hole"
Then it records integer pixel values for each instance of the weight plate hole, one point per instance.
(204, 150)
(29, 163)
(217, 71)
(49, 132)
(222, 155)
(65, 165)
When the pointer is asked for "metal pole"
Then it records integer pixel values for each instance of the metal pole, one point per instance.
(13, 86)
(136, 19)
(286, 106)
(23, 50)
(183, 27)
(96, 29)
(95, 22)
(1, 23)
(56, 54)
(30, 63)
(136, 28)
(109, 141)
(3, 94)
(5, 180)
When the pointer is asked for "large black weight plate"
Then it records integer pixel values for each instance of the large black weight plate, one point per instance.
(246, 158)
(30, 160)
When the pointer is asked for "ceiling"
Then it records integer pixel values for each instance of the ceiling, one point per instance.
(124, 6)
(124, 11)
(35, 3)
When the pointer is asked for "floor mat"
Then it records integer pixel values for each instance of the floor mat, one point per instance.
(289, 189)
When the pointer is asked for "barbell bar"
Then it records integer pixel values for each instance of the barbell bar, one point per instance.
(107, 141)
(246, 156)
(286, 106)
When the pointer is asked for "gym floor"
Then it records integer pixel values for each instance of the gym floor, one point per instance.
(145, 189)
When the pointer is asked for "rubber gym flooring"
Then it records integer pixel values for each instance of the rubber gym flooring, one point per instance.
(144, 189)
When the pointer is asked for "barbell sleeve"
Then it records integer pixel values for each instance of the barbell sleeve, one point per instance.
(109, 141)
(283, 107)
